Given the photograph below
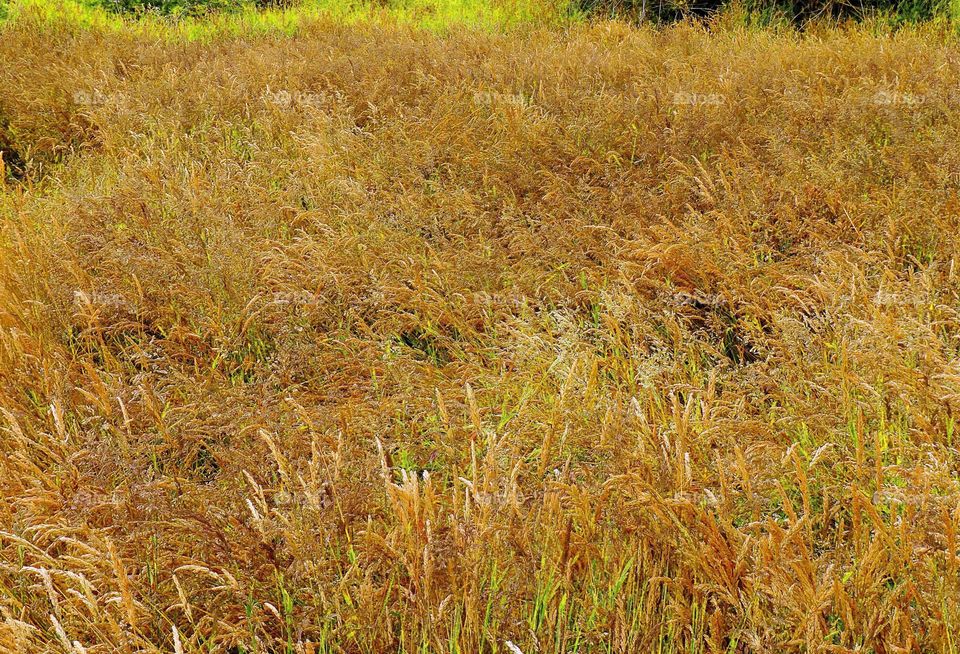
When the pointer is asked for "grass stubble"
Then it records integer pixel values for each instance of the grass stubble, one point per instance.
(375, 339)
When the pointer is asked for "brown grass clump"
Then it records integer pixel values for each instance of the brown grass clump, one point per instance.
(376, 340)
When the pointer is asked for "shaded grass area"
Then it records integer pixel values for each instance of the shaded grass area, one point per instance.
(774, 12)
(373, 339)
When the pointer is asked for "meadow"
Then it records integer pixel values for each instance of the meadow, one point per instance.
(374, 330)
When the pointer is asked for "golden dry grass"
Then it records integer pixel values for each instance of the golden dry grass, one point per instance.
(370, 339)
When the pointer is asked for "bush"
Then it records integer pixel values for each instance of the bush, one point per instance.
(185, 7)
(796, 11)
(169, 6)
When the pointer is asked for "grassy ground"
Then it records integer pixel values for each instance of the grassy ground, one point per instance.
(558, 339)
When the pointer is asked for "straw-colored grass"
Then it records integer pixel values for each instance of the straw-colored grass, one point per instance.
(374, 339)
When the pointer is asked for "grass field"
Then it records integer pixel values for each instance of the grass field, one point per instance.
(384, 332)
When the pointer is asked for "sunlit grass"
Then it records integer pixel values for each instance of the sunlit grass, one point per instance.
(437, 15)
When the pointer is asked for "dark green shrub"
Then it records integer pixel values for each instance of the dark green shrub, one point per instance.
(901, 10)
(796, 11)
(185, 7)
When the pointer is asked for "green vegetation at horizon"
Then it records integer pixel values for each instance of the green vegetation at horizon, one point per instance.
(202, 18)
(198, 19)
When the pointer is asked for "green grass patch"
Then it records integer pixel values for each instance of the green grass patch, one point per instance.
(203, 19)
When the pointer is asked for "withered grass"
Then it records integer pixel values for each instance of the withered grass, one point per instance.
(372, 339)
